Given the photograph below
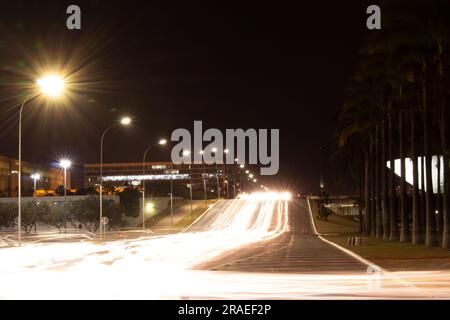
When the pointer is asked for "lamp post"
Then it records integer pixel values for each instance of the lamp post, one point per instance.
(218, 186)
(35, 177)
(204, 175)
(190, 192)
(125, 121)
(64, 163)
(161, 143)
(51, 86)
(171, 195)
(187, 153)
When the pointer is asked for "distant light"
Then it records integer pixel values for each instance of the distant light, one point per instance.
(14, 172)
(186, 153)
(125, 121)
(52, 85)
(242, 166)
(162, 142)
(226, 151)
(202, 152)
(250, 175)
(214, 149)
(247, 172)
(254, 180)
(36, 176)
(64, 163)
(149, 207)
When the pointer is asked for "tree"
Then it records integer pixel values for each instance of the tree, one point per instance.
(8, 214)
(129, 199)
(33, 212)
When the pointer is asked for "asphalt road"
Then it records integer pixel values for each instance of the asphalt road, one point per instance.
(296, 251)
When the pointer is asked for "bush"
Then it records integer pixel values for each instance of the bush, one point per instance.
(8, 214)
(32, 213)
(57, 217)
(129, 199)
(86, 213)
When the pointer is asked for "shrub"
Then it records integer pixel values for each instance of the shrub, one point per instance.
(129, 199)
(86, 213)
(8, 214)
(32, 213)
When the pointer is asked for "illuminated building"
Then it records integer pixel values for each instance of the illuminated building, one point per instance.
(130, 174)
(50, 177)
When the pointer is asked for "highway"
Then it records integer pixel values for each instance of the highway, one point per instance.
(259, 246)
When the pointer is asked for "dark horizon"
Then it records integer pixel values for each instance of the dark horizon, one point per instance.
(166, 66)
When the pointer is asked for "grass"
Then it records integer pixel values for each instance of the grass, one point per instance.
(187, 220)
(334, 224)
(391, 255)
(163, 213)
(394, 255)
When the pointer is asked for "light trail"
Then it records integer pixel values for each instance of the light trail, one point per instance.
(163, 267)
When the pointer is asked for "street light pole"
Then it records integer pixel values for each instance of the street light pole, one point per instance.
(171, 196)
(204, 189)
(35, 177)
(101, 177)
(19, 173)
(190, 191)
(143, 187)
(218, 186)
(64, 163)
(125, 121)
(161, 142)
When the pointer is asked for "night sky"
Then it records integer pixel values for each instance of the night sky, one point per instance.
(229, 64)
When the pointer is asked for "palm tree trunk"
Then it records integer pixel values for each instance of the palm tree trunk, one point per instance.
(373, 188)
(378, 218)
(430, 236)
(361, 189)
(438, 202)
(446, 169)
(393, 234)
(385, 203)
(367, 206)
(404, 234)
(416, 223)
(423, 208)
(446, 202)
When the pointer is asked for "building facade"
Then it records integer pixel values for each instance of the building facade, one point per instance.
(50, 178)
(220, 178)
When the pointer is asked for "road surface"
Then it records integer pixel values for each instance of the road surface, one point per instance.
(255, 247)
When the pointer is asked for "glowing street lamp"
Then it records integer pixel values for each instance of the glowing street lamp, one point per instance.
(124, 121)
(51, 86)
(161, 142)
(35, 177)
